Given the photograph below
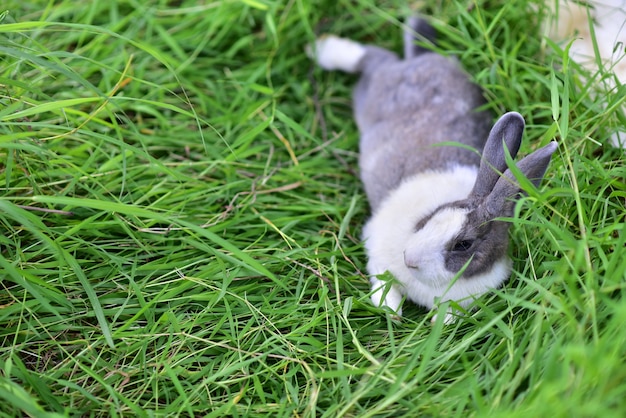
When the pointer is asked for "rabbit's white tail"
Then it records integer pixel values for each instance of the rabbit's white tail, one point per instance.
(334, 53)
(418, 29)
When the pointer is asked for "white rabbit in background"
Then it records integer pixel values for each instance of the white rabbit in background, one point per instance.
(434, 204)
(571, 20)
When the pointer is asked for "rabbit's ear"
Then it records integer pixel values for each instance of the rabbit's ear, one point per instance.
(508, 129)
(501, 200)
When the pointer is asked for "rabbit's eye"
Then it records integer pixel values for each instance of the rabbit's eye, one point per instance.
(462, 245)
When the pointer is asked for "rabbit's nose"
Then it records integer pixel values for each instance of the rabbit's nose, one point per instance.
(411, 261)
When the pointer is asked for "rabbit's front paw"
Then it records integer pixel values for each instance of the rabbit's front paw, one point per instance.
(334, 53)
(385, 294)
(448, 319)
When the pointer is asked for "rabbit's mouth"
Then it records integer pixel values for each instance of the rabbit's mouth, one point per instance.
(428, 271)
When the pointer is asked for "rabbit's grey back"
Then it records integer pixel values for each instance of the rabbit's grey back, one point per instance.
(404, 107)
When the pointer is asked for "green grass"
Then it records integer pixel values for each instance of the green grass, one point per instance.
(180, 221)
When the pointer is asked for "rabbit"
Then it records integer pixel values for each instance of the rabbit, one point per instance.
(434, 200)
(604, 35)
(597, 29)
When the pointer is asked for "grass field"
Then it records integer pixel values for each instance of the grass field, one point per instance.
(180, 216)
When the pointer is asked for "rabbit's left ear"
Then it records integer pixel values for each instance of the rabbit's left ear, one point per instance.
(507, 132)
(501, 200)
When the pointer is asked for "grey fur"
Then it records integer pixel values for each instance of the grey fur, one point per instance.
(489, 243)
(500, 201)
(507, 130)
(420, 29)
(405, 108)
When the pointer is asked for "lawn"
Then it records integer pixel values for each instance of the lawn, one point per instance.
(180, 214)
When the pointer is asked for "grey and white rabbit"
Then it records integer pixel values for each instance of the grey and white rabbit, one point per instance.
(434, 204)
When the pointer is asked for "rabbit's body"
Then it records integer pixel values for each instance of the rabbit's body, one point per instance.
(433, 203)
(397, 103)
(400, 99)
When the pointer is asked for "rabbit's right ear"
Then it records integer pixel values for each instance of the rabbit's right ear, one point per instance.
(508, 130)
(501, 200)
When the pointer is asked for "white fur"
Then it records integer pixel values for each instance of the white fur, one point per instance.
(334, 53)
(391, 243)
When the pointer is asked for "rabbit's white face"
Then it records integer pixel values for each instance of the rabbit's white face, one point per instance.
(449, 241)
(427, 249)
